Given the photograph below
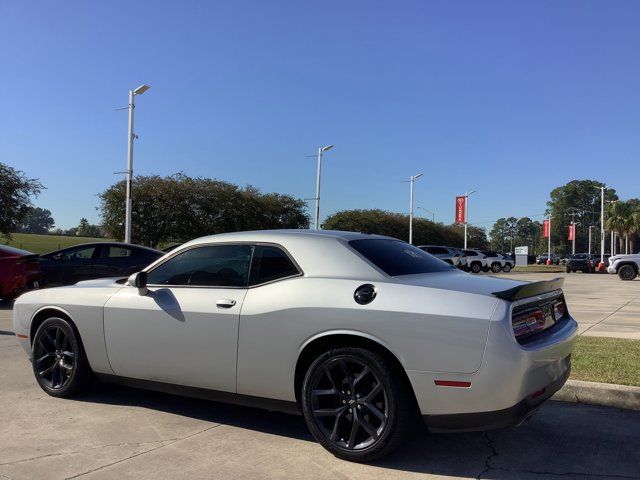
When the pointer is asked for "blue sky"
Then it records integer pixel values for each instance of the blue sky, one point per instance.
(510, 98)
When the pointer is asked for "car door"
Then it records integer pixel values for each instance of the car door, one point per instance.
(69, 266)
(117, 261)
(184, 328)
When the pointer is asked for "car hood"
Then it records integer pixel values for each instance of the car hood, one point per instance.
(101, 282)
(460, 282)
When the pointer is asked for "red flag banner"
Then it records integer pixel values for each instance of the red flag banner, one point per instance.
(545, 228)
(572, 231)
(461, 210)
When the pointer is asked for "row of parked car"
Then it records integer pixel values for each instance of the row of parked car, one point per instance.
(21, 270)
(472, 260)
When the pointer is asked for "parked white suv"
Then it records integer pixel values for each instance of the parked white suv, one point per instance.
(626, 266)
(476, 261)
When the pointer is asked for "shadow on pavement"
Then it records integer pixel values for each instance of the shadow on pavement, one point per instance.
(564, 439)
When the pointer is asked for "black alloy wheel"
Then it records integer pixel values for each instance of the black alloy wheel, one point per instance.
(627, 272)
(354, 405)
(59, 361)
(495, 268)
(476, 267)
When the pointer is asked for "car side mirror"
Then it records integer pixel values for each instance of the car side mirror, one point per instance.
(139, 280)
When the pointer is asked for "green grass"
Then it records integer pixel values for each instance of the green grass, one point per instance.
(540, 269)
(607, 360)
(45, 243)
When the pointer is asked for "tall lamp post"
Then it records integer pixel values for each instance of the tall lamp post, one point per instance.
(412, 180)
(321, 150)
(466, 215)
(601, 264)
(127, 220)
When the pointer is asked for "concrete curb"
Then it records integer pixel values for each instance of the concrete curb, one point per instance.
(593, 393)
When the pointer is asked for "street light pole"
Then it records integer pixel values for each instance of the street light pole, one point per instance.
(590, 227)
(412, 180)
(549, 243)
(601, 228)
(321, 150)
(127, 219)
(466, 215)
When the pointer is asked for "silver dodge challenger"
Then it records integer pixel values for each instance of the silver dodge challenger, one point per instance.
(362, 334)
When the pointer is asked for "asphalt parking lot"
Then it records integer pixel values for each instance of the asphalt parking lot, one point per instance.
(603, 305)
(116, 432)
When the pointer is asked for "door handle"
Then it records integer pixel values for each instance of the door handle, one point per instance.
(225, 303)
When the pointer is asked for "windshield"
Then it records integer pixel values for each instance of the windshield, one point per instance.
(395, 258)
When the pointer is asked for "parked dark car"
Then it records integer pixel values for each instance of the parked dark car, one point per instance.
(19, 271)
(584, 262)
(95, 260)
(542, 259)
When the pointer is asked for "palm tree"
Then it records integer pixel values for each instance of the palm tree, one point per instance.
(621, 218)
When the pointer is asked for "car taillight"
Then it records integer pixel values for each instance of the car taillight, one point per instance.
(559, 310)
(527, 322)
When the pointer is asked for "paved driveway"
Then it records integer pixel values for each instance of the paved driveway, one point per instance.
(116, 432)
(603, 305)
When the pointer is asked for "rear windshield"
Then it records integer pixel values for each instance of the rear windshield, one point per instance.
(395, 258)
(580, 256)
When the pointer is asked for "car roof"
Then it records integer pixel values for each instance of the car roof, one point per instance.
(108, 244)
(13, 251)
(281, 235)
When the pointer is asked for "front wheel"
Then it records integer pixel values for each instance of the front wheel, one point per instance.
(59, 362)
(476, 267)
(495, 268)
(355, 405)
(627, 272)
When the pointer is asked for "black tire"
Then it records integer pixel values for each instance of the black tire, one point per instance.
(506, 268)
(476, 267)
(627, 272)
(496, 267)
(568, 270)
(59, 362)
(360, 414)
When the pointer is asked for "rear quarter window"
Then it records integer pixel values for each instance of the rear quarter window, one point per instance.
(397, 258)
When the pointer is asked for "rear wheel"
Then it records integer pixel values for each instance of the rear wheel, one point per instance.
(506, 268)
(476, 267)
(59, 362)
(355, 405)
(627, 272)
(496, 267)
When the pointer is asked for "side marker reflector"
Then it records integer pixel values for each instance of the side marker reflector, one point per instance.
(21, 336)
(452, 383)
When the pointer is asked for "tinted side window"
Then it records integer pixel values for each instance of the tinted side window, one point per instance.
(119, 252)
(470, 253)
(79, 253)
(211, 266)
(270, 263)
(398, 258)
(437, 250)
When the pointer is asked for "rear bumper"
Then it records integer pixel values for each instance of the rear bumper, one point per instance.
(508, 384)
(507, 417)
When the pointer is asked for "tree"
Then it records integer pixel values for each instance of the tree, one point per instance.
(396, 225)
(37, 220)
(16, 191)
(85, 229)
(624, 219)
(179, 208)
(578, 200)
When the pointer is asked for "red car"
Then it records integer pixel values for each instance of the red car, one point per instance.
(19, 271)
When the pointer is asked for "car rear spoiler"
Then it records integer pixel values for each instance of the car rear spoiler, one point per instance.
(530, 289)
